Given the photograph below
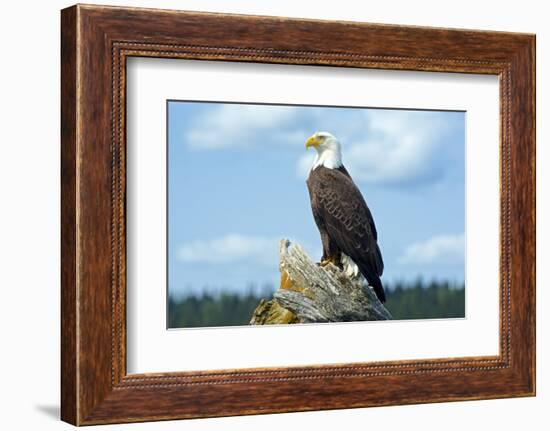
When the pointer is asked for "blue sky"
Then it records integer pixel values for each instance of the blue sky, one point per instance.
(236, 185)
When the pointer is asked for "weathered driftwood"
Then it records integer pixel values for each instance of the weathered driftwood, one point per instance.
(310, 293)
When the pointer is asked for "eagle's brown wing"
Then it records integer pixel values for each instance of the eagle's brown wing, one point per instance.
(339, 205)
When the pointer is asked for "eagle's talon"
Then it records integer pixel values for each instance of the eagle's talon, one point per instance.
(334, 260)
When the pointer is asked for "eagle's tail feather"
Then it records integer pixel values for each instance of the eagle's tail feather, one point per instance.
(372, 279)
(376, 283)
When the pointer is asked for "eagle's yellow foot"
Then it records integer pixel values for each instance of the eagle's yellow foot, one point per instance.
(332, 259)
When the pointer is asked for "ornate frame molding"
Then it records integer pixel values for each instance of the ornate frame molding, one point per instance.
(96, 41)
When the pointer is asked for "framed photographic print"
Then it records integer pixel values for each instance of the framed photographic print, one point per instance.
(285, 207)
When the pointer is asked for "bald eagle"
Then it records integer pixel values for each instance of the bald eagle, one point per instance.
(346, 225)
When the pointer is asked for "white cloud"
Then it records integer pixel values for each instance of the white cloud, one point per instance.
(442, 249)
(392, 147)
(398, 147)
(304, 164)
(231, 248)
(230, 125)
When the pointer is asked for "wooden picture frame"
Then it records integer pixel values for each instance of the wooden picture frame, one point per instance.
(95, 43)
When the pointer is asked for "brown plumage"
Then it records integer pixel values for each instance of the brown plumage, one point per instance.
(345, 223)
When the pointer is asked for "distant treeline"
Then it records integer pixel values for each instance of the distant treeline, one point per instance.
(418, 300)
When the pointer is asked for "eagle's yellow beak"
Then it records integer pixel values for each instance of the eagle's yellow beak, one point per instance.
(312, 141)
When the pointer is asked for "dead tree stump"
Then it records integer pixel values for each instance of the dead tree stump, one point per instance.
(309, 293)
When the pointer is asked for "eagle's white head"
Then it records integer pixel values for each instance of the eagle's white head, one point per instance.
(329, 152)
